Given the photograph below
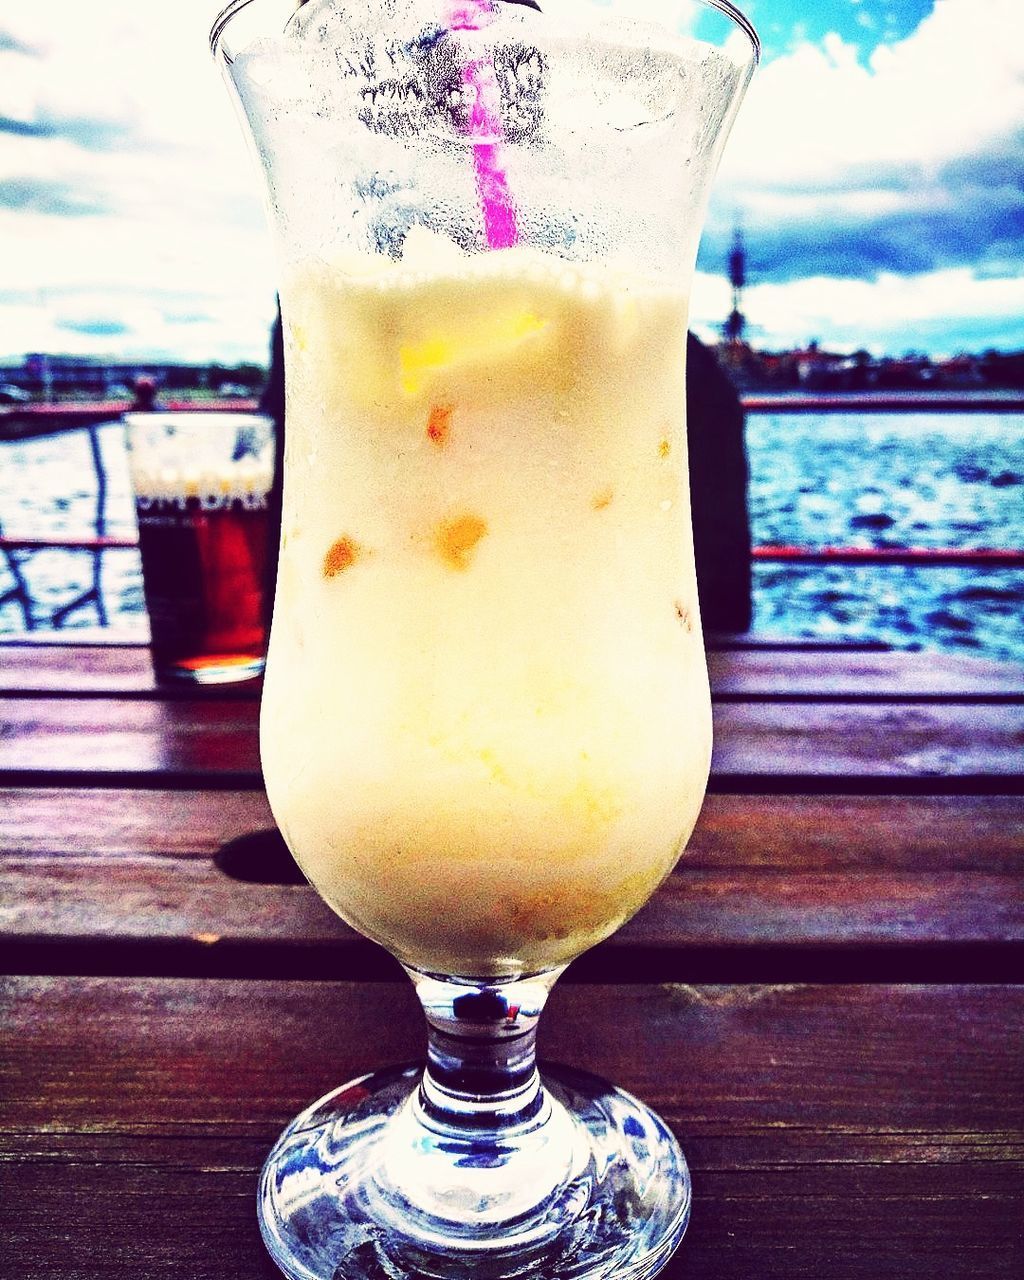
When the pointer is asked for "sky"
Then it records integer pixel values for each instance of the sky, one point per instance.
(876, 171)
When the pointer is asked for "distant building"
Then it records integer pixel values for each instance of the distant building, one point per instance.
(50, 377)
(962, 372)
(56, 377)
(817, 369)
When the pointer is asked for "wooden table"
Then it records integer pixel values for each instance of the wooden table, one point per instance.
(818, 1000)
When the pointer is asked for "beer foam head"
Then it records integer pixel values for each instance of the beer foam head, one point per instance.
(238, 480)
(215, 457)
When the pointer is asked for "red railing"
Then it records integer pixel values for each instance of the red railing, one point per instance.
(105, 543)
(884, 402)
(975, 558)
(953, 557)
(41, 419)
(26, 420)
(22, 421)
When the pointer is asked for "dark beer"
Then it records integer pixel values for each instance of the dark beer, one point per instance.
(204, 567)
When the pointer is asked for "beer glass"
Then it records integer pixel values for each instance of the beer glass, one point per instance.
(486, 724)
(202, 485)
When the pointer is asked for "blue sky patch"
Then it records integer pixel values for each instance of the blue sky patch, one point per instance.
(783, 24)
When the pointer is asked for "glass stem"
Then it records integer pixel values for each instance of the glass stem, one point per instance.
(480, 1142)
(481, 1076)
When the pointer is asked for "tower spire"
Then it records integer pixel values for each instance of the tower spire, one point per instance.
(733, 328)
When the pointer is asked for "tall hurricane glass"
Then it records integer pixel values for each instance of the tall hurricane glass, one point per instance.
(486, 725)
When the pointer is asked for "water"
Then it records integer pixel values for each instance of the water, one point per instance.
(48, 488)
(926, 479)
(888, 480)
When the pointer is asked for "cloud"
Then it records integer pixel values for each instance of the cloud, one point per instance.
(882, 177)
(971, 213)
(947, 90)
(189, 317)
(117, 321)
(54, 198)
(119, 118)
(907, 164)
(95, 328)
(10, 44)
(941, 312)
(94, 135)
(25, 128)
(181, 291)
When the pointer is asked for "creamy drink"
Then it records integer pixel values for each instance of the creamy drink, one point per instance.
(486, 722)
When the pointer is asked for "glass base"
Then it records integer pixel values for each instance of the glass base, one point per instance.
(225, 668)
(614, 1188)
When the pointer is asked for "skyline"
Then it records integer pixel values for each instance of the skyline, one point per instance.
(875, 171)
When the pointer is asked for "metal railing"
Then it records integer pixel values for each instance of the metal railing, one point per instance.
(31, 420)
(931, 557)
(20, 593)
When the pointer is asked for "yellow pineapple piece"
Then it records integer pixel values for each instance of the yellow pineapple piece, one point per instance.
(495, 340)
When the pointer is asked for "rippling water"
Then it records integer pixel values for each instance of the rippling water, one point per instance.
(927, 479)
(890, 480)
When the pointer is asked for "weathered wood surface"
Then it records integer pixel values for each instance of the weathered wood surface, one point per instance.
(838, 887)
(754, 672)
(775, 832)
(834, 1130)
(847, 1132)
(849, 675)
(758, 746)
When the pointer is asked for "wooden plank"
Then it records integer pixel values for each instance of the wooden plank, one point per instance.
(54, 822)
(849, 675)
(700, 925)
(65, 670)
(855, 833)
(788, 746)
(854, 746)
(848, 1132)
(130, 635)
(792, 886)
(736, 674)
(101, 738)
(779, 833)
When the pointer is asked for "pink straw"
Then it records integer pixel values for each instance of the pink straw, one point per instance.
(483, 125)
